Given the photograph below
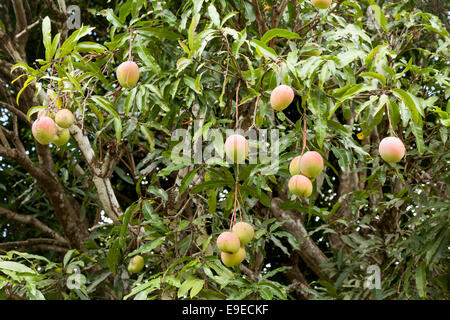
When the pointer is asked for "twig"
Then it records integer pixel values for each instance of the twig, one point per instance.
(230, 53)
(32, 242)
(28, 28)
(254, 113)
(237, 109)
(304, 133)
(389, 118)
(14, 110)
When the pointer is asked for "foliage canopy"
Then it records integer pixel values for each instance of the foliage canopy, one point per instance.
(72, 217)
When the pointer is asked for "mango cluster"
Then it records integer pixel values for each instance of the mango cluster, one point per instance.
(231, 244)
(53, 127)
(303, 168)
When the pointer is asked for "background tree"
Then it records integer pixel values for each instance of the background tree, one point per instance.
(361, 70)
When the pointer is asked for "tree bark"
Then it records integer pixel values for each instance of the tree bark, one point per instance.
(309, 251)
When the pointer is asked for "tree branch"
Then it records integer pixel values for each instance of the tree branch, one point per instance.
(50, 248)
(85, 147)
(277, 13)
(261, 23)
(309, 251)
(60, 15)
(21, 21)
(3, 138)
(30, 242)
(27, 28)
(29, 219)
(7, 45)
(14, 110)
(102, 182)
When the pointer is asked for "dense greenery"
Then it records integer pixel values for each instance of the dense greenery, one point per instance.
(72, 217)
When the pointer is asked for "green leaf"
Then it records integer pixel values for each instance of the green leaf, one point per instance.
(182, 63)
(159, 192)
(266, 293)
(72, 41)
(147, 58)
(123, 175)
(437, 246)
(182, 225)
(47, 37)
(319, 107)
(229, 16)
(384, 99)
(184, 47)
(149, 136)
(349, 93)
(375, 75)
(211, 185)
(149, 286)
(54, 46)
(280, 245)
(126, 217)
(369, 59)
(407, 276)
(185, 287)
(212, 200)
(257, 193)
(379, 16)
(16, 267)
(90, 47)
(214, 15)
(68, 256)
(417, 131)
(280, 33)
(197, 286)
(364, 105)
(111, 17)
(118, 129)
(147, 247)
(410, 102)
(274, 272)
(198, 83)
(106, 105)
(421, 280)
(191, 32)
(263, 50)
(187, 180)
(130, 100)
(33, 110)
(158, 32)
(25, 85)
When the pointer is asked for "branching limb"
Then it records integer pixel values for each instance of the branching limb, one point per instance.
(102, 182)
(261, 23)
(8, 47)
(21, 21)
(85, 148)
(57, 12)
(29, 219)
(50, 247)
(309, 251)
(14, 110)
(3, 139)
(31, 242)
(249, 273)
(28, 28)
(278, 13)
